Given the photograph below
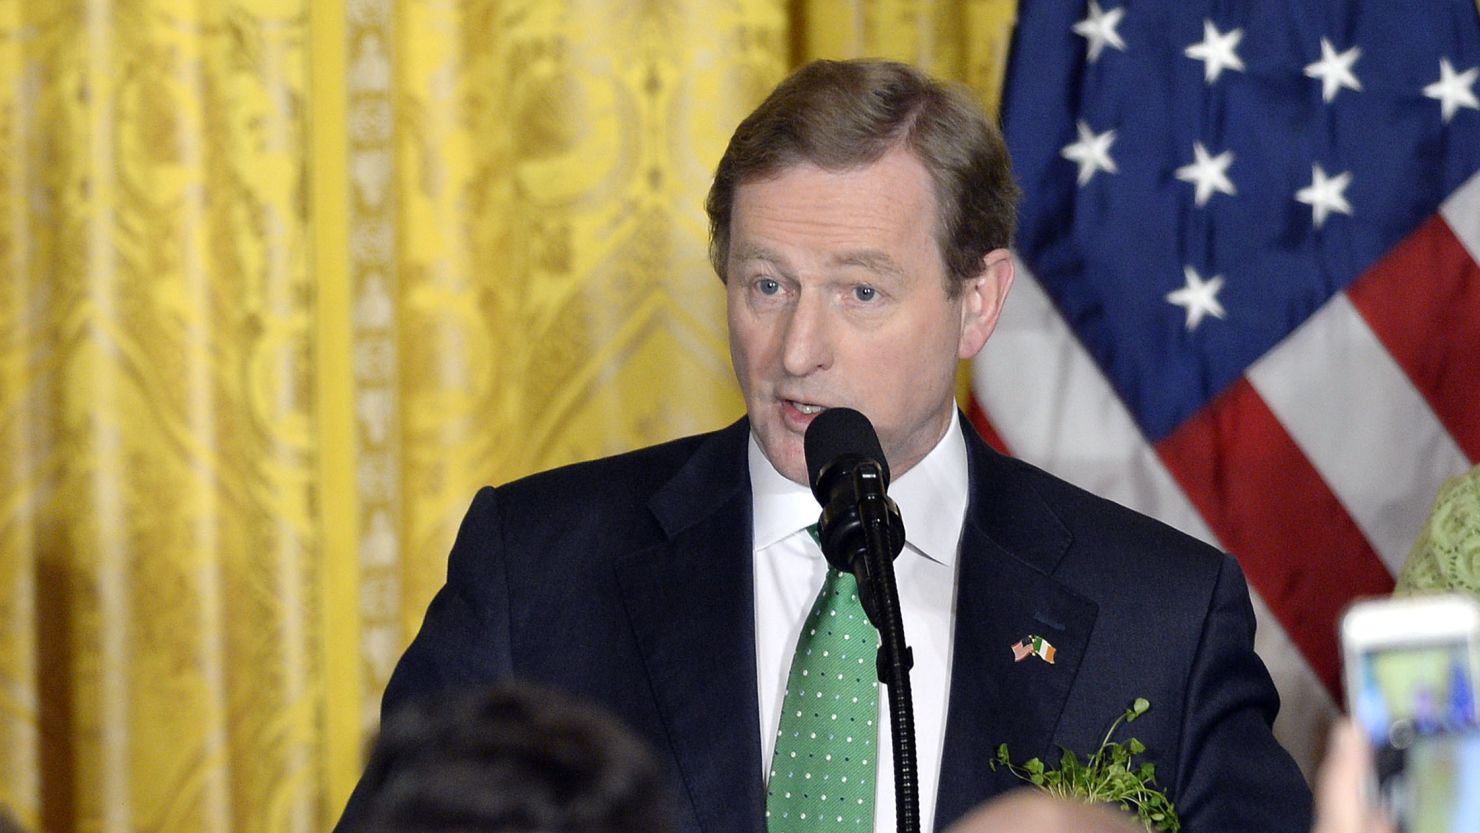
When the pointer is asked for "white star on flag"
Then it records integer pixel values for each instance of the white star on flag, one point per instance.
(1453, 89)
(1209, 173)
(1099, 29)
(1198, 297)
(1217, 51)
(1092, 152)
(1335, 70)
(1325, 195)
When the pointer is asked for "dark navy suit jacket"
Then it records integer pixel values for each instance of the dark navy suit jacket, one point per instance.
(628, 581)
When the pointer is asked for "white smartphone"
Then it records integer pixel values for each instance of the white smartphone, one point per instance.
(1412, 666)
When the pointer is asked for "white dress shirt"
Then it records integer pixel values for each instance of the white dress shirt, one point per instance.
(789, 569)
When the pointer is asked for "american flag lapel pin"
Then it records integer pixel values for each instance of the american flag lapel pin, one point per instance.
(1033, 645)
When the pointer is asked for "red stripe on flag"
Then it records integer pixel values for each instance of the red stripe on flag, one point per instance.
(1270, 508)
(978, 417)
(1423, 301)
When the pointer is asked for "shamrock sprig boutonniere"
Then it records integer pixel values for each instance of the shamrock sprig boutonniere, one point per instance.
(1109, 775)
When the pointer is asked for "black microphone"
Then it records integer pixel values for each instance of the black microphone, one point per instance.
(861, 533)
(850, 478)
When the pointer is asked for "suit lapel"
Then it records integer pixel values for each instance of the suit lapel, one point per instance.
(1005, 591)
(689, 601)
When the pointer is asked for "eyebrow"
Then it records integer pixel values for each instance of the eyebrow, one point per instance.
(750, 251)
(873, 261)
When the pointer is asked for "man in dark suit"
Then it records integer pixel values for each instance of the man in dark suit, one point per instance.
(860, 220)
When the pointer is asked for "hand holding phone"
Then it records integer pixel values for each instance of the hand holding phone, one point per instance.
(1341, 805)
(1411, 673)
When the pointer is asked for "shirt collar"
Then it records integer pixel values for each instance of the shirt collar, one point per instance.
(931, 498)
(779, 506)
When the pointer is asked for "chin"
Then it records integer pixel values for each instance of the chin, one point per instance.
(793, 468)
(789, 459)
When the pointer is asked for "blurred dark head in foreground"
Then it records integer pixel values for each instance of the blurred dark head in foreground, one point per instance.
(516, 759)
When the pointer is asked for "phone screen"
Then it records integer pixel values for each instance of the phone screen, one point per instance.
(1409, 692)
(1416, 705)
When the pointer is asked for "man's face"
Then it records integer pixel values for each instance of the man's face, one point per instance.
(837, 298)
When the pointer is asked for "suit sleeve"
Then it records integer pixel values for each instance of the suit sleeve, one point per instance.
(464, 639)
(1235, 777)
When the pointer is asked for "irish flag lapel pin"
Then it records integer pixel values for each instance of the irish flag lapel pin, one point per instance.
(1033, 645)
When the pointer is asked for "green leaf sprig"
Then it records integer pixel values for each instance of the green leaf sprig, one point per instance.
(1109, 776)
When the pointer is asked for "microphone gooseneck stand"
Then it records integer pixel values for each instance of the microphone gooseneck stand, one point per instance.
(894, 662)
(865, 511)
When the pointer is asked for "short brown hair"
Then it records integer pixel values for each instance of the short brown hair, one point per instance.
(840, 115)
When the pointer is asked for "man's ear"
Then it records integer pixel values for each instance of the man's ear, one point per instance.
(982, 297)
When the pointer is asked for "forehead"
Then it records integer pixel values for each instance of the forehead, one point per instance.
(886, 205)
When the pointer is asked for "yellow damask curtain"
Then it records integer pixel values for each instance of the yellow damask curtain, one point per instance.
(283, 282)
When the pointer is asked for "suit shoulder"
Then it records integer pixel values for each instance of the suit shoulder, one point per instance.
(653, 465)
(1116, 533)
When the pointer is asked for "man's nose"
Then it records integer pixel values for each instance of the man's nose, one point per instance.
(808, 345)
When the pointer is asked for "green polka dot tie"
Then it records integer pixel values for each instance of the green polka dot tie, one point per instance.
(822, 773)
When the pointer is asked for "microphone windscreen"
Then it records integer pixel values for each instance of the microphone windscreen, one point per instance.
(839, 431)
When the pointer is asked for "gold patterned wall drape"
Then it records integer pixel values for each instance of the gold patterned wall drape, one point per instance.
(284, 281)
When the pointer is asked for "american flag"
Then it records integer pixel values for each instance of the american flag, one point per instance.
(1247, 299)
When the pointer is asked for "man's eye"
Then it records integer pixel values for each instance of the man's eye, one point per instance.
(865, 293)
(766, 286)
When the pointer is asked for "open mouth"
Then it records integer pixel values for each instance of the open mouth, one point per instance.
(806, 408)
